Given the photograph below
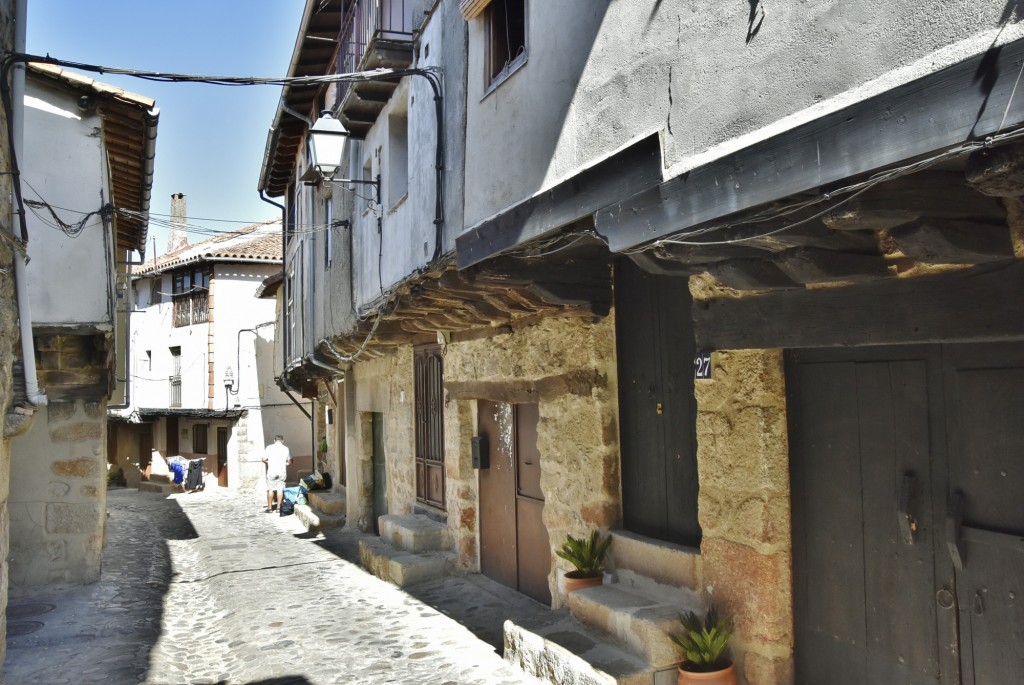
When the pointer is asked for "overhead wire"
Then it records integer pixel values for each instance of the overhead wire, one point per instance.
(849, 192)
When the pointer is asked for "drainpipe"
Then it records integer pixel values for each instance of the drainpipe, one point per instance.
(36, 395)
(284, 243)
(333, 369)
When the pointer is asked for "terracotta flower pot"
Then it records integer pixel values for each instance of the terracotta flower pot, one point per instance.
(727, 676)
(574, 580)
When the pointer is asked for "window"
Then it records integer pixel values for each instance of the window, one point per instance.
(199, 433)
(174, 400)
(155, 296)
(398, 157)
(190, 293)
(149, 360)
(429, 392)
(506, 38)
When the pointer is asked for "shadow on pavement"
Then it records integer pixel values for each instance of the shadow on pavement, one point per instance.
(110, 627)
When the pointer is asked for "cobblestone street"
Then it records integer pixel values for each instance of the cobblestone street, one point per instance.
(206, 588)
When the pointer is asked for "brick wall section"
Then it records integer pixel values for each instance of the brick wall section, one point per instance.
(743, 465)
(8, 336)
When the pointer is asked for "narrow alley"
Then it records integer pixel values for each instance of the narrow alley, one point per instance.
(205, 588)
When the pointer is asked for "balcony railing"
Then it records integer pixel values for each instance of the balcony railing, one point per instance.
(174, 400)
(366, 25)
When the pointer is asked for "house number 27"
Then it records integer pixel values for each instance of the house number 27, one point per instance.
(702, 366)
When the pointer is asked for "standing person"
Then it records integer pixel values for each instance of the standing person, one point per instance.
(277, 458)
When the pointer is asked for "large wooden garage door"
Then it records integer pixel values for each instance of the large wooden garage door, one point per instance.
(907, 468)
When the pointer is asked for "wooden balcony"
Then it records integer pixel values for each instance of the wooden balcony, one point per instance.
(375, 34)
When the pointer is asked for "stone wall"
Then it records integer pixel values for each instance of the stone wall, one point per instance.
(567, 365)
(743, 466)
(383, 385)
(8, 336)
(57, 511)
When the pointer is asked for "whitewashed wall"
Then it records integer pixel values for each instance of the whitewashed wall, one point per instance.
(692, 73)
(67, 169)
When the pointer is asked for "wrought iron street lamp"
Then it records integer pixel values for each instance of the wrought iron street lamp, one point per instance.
(328, 138)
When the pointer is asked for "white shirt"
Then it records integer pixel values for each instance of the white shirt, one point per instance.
(277, 455)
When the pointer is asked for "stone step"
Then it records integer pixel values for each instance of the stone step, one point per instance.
(641, 621)
(634, 558)
(314, 519)
(570, 653)
(413, 532)
(326, 501)
(402, 567)
(157, 486)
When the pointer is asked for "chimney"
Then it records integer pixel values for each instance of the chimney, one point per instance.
(178, 237)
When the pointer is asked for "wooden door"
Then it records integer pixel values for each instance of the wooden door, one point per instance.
(146, 450)
(429, 399)
(380, 484)
(222, 456)
(172, 436)
(657, 411)
(514, 545)
(883, 441)
(985, 510)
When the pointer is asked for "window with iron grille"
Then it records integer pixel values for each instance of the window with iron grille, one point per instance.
(174, 382)
(429, 389)
(190, 292)
(199, 435)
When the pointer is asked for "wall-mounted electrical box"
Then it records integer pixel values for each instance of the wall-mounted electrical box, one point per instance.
(481, 457)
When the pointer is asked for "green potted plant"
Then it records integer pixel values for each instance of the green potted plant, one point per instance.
(705, 644)
(587, 556)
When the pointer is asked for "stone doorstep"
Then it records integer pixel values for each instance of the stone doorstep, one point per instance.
(664, 563)
(154, 486)
(315, 520)
(570, 653)
(326, 501)
(401, 567)
(413, 532)
(640, 622)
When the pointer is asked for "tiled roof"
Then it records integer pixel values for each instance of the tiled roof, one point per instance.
(260, 242)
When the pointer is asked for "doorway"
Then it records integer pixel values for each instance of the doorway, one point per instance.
(657, 412)
(222, 456)
(380, 474)
(908, 534)
(514, 545)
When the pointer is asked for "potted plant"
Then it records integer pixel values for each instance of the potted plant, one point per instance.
(705, 644)
(587, 556)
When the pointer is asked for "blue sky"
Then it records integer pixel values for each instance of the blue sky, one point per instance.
(211, 139)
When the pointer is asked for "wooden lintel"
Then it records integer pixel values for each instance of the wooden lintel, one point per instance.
(813, 265)
(751, 274)
(580, 383)
(934, 241)
(997, 171)
(571, 294)
(967, 305)
(658, 265)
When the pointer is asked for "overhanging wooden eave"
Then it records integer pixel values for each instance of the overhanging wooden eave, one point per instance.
(929, 115)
